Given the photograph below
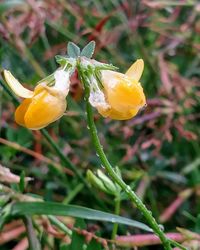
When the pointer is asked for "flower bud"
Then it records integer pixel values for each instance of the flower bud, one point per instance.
(102, 182)
(95, 181)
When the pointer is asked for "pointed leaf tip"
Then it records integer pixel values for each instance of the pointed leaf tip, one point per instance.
(73, 50)
(88, 50)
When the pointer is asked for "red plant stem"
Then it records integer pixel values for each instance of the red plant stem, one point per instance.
(146, 239)
(22, 245)
(12, 234)
(169, 211)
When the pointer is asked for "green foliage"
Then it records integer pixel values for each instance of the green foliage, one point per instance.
(88, 50)
(52, 208)
(73, 50)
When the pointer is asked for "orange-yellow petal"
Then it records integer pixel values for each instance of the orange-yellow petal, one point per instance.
(136, 69)
(21, 111)
(116, 115)
(44, 109)
(121, 92)
(16, 86)
(126, 96)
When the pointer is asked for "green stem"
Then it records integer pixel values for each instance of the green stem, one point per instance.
(133, 197)
(34, 244)
(73, 193)
(117, 212)
(127, 189)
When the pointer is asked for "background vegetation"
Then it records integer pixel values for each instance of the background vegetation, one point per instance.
(157, 151)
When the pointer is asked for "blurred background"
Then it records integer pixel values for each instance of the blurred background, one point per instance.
(158, 151)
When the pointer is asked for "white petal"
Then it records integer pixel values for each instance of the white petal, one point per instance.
(97, 100)
(62, 81)
(16, 86)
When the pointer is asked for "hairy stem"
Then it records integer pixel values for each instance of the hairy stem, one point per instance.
(132, 196)
(127, 189)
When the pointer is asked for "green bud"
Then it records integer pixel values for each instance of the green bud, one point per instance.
(108, 183)
(118, 172)
(96, 182)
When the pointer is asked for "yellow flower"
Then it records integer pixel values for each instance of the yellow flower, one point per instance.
(123, 93)
(42, 106)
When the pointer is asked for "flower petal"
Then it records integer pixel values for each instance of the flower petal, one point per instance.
(21, 111)
(62, 81)
(117, 115)
(16, 86)
(126, 95)
(136, 69)
(44, 109)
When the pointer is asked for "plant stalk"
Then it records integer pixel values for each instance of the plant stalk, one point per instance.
(117, 212)
(34, 243)
(100, 152)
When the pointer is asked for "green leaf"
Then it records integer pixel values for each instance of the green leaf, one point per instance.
(73, 50)
(77, 240)
(61, 60)
(53, 208)
(88, 50)
(94, 245)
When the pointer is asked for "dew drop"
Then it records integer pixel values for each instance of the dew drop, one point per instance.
(112, 220)
(128, 189)
(161, 227)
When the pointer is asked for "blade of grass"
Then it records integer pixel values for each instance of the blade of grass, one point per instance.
(53, 208)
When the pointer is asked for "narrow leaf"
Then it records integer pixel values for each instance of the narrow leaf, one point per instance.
(53, 208)
(73, 50)
(88, 50)
(61, 60)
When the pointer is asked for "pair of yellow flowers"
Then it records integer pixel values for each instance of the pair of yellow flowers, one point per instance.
(122, 96)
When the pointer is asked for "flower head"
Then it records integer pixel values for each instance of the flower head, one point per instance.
(122, 95)
(42, 106)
